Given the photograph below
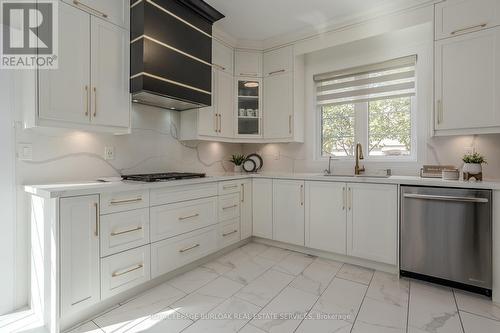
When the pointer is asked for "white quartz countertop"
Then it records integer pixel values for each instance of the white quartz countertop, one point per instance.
(92, 187)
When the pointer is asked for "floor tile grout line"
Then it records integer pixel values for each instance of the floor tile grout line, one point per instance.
(458, 310)
(362, 301)
(408, 307)
(478, 315)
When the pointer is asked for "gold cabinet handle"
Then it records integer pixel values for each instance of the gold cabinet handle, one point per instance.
(78, 3)
(229, 233)
(228, 187)
(116, 233)
(220, 123)
(128, 270)
(482, 25)
(182, 218)
(290, 124)
(343, 198)
(97, 219)
(249, 74)
(189, 248)
(242, 192)
(215, 123)
(349, 199)
(276, 72)
(125, 201)
(95, 102)
(219, 67)
(302, 195)
(229, 207)
(439, 112)
(87, 101)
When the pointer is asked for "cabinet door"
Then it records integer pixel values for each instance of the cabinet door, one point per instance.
(110, 102)
(222, 57)
(225, 103)
(248, 107)
(208, 117)
(262, 199)
(246, 209)
(79, 252)
(278, 106)
(467, 81)
(456, 17)
(372, 222)
(278, 61)
(115, 11)
(326, 216)
(248, 63)
(64, 93)
(288, 211)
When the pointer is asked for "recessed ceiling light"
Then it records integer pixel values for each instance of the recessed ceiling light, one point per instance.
(251, 84)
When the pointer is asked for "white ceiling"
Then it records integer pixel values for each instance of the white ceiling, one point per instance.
(264, 19)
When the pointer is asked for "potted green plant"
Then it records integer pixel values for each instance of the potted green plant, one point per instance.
(473, 164)
(237, 160)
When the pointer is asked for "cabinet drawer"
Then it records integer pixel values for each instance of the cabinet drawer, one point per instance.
(173, 253)
(122, 201)
(174, 219)
(182, 193)
(228, 233)
(125, 270)
(123, 231)
(457, 17)
(232, 186)
(229, 207)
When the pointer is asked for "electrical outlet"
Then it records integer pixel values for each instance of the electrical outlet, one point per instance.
(25, 151)
(109, 153)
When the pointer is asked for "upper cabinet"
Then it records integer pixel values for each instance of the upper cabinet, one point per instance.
(248, 63)
(114, 11)
(248, 107)
(222, 57)
(457, 17)
(90, 89)
(278, 61)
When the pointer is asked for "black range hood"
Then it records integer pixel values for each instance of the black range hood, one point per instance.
(171, 53)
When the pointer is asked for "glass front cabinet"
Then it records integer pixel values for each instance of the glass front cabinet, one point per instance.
(248, 107)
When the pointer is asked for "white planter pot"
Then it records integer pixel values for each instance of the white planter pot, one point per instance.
(237, 169)
(472, 168)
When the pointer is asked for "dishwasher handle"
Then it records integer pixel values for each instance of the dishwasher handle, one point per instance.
(445, 198)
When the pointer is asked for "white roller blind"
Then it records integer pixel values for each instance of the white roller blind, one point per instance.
(389, 79)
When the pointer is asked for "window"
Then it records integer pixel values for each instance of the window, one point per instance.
(370, 104)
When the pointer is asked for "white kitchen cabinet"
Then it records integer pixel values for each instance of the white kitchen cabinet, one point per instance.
(456, 17)
(222, 57)
(278, 61)
(248, 110)
(224, 104)
(246, 208)
(64, 93)
(228, 233)
(278, 106)
(288, 211)
(326, 216)
(110, 98)
(248, 63)
(115, 11)
(229, 207)
(79, 253)
(467, 80)
(372, 222)
(89, 90)
(262, 208)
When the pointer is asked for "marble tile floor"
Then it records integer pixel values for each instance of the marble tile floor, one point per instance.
(257, 288)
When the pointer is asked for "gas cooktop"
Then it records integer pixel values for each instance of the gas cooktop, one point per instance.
(162, 177)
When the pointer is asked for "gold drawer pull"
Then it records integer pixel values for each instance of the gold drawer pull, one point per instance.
(189, 248)
(229, 207)
(483, 25)
(78, 3)
(188, 217)
(129, 270)
(276, 72)
(229, 233)
(219, 67)
(125, 201)
(116, 233)
(227, 187)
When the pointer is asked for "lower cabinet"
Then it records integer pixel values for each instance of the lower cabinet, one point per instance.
(288, 211)
(246, 209)
(262, 207)
(178, 251)
(79, 253)
(372, 222)
(326, 216)
(228, 233)
(125, 270)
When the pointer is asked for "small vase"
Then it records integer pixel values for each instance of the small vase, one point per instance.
(472, 168)
(237, 169)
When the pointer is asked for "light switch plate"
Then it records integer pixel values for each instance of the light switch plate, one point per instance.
(25, 151)
(109, 153)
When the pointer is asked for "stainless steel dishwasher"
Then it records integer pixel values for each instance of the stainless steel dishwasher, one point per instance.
(446, 236)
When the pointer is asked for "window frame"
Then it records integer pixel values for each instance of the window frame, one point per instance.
(361, 133)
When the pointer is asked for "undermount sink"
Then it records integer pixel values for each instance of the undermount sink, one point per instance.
(358, 176)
